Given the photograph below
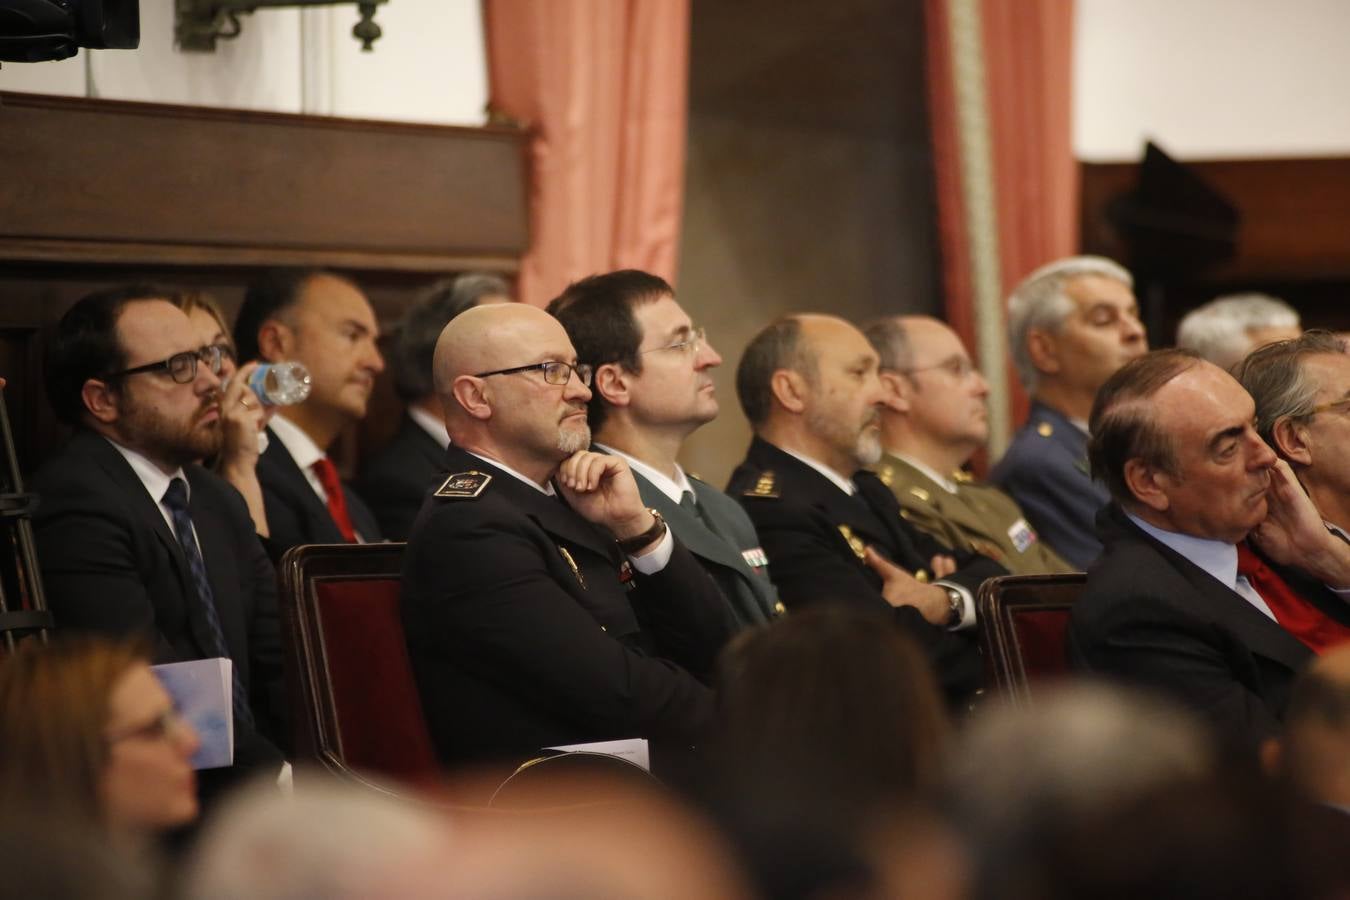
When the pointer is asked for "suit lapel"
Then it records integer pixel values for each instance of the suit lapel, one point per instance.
(886, 509)
(693, 533)
(325, 530)
(211, 525)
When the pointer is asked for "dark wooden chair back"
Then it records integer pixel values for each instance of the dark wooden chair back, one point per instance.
(358, 710)
(1022, 624)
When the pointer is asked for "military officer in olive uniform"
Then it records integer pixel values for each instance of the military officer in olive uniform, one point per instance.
(653, 387)
(1071, 325)
(544, 603)
(833, 532)
(934, 417)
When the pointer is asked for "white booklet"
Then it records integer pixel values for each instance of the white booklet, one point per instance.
(634, 750)
(202, 692)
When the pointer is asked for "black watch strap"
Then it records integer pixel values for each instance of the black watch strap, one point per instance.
(638, 541)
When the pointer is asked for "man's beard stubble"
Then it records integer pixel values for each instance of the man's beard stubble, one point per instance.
(572, 441)
(864, 445)
(167, 442)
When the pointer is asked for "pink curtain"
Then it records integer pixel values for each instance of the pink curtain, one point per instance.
(603, 88)
(1027, 59)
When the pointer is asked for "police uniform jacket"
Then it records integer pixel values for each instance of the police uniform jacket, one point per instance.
(396, 480)
(976, 517)
(295, 514)
(111, 565)
(814, 534)
(527, 628)
(726, 545)
(1046, 471)
(1152, 617)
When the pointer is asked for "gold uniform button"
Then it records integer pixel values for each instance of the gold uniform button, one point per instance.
(779, 608)
(1045, 429)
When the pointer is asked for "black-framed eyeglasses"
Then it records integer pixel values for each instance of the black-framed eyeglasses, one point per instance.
(697, 340)
(182, 367)
(157, 729)
(555, 373)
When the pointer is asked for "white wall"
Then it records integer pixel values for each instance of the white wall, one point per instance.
(1209, 79)
(428, 67)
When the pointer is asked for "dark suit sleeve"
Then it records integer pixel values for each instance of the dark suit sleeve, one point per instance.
(284, 525)
(1144, 641)
(810, 568)
(88, 553)
(483, 596)
(684, 611)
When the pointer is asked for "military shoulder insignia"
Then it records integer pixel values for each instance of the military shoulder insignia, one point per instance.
(854, 542)
(919, 494)
(464, 485)
(764, 486)
(887, 474)
(572, 564)
(1045, 429)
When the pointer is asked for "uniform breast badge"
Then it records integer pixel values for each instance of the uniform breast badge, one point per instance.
(464, 485)
(572, 564)
(854, 542)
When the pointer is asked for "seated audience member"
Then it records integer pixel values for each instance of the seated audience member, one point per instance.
(544, 603)
(1226, 329)
(133, 536)
(827, 726)
(396, 480)
(1023, 779)
(1302, 392)
(1180, 600)
(1313, 753)
(1070, 325)
(934, 417)
(329, 839)
(653, 388)
(242, 415)
(832, 531)
(90, 735)
(323, 321)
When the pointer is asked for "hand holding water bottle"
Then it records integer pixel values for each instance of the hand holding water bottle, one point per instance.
(279, 384)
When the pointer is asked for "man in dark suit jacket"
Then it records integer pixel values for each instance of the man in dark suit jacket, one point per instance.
(395, 481)
(653, 388)
(832, 530)
(1212, 584)
(125, 370)
(1070, 325)
(325, 322)
(544, 603)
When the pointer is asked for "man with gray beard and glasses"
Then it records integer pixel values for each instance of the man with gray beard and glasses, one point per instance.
(831, 530)
(544, 603)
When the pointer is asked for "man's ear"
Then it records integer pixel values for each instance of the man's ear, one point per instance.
(611, 381)
(102, 400)
(276, 341)
(897, 391)
(1043, 348)
(473, 396)
(789, 389)
(1292, 441)
(1148, 485)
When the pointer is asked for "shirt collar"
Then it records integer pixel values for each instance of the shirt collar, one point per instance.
(430, 424)
(844, 484)
(1218, 559)
(299, 445)
(1080, 424)
(546, 488)
(151, 475)
(945, 483)
(672, 488)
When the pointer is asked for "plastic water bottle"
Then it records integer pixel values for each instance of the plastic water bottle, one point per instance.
(280, 384)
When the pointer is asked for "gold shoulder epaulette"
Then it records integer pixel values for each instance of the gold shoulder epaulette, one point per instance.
(464, 485)
(764, 487)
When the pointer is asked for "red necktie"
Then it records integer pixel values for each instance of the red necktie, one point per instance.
(337, 503)
(1295, 614)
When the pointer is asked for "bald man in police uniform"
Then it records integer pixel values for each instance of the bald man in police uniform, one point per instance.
(933, 418)
(544, 603)
(832, 531)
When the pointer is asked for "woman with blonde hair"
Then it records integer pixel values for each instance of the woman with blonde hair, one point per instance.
(87, 733)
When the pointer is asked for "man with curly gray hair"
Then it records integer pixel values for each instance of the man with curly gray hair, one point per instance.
(1071, 325)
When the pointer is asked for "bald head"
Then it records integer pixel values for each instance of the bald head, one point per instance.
(493, 337)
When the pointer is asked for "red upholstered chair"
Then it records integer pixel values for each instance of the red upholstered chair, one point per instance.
(357, 706)
(1022, 623)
